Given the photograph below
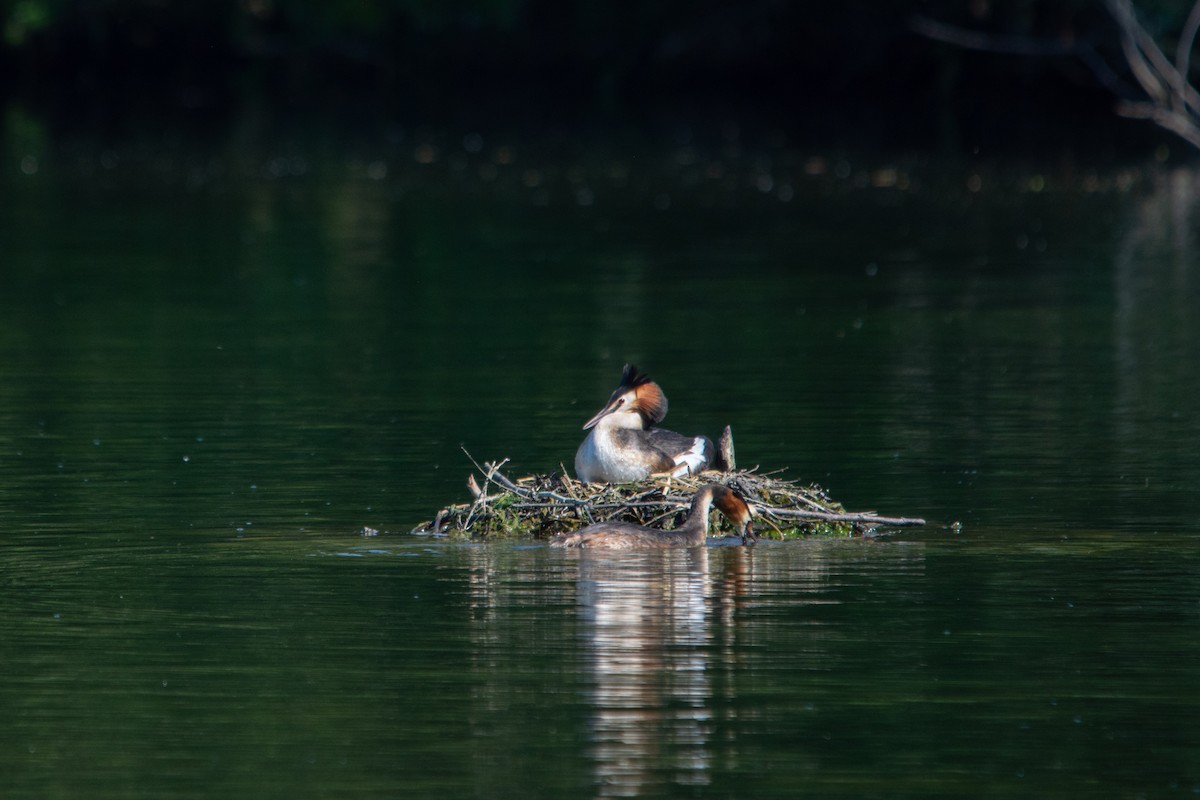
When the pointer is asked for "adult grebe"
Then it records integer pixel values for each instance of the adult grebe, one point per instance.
(692, 533)
(623, 446)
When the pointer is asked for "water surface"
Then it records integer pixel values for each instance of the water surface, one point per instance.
(222, 362)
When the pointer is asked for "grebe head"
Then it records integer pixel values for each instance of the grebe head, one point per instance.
(735, 507)
(637, 402)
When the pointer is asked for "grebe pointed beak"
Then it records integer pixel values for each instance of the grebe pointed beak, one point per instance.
(616, 401)
(748, 533)
(601, 414)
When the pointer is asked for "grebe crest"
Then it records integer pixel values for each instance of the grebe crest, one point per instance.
(636, 403)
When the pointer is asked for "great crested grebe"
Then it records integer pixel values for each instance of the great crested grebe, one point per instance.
(692, 533)
(623, 446)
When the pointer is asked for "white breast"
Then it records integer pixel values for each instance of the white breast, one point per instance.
(600, 460)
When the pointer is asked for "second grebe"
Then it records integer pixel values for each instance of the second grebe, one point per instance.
(692, 533)
(623, 446)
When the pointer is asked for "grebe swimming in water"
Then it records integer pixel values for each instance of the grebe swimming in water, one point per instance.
(692, 533)
(623, 446)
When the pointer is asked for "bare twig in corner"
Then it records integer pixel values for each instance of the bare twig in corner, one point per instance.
(989, 42)
(1187, 40)
(1166, 97)
(1173, 103)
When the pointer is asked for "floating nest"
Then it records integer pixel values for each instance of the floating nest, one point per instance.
(544, 505)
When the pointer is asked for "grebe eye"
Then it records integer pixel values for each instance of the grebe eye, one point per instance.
(621, 402)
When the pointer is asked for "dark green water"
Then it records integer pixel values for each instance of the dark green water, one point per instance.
(218, 364)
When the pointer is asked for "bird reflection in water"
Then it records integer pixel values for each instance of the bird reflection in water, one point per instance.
(648, 631)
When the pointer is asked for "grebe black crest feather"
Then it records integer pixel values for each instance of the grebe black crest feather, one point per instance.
(631, 378)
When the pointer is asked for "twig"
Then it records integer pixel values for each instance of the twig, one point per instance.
(470, 457)
(494, 474)
(1139, 57)
(774, 527)
(897, 522)
(1187, 40)
(989, 42)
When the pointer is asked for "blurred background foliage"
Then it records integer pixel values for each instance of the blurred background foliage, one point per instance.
(834, 70)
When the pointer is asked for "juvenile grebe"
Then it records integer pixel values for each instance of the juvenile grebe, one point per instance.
(623, 445)
(692, 533)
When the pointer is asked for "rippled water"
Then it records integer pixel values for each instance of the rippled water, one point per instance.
(904, 667)
(218, 369)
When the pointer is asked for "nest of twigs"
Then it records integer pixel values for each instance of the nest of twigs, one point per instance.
(544, 505)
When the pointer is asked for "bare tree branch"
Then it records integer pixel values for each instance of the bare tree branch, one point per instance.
(989, 42)
(1132, 40)
(1187, 40)
(1168, 119)
(1169, 99)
